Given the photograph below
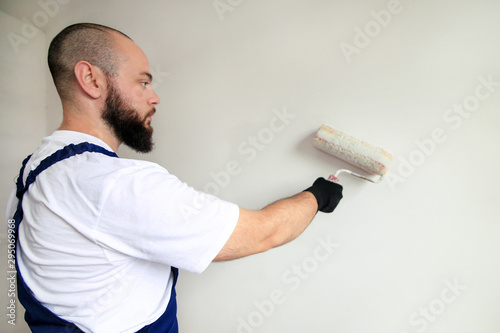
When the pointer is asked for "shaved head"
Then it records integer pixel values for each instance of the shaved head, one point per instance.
(89, 42)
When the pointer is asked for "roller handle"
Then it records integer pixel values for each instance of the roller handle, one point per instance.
(334, 178)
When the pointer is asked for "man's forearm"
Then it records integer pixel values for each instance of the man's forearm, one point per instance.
(290, 217)
(280, 222)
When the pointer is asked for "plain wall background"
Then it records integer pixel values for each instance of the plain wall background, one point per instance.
(419, 252)
(23, 120)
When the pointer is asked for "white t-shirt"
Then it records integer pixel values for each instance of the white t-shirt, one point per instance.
(100, 234)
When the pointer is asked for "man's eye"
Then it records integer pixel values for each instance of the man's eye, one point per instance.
(144, 84)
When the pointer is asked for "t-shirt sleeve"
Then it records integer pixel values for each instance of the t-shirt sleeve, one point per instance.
(150, 214)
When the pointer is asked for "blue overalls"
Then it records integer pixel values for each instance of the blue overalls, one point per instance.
(39, 318)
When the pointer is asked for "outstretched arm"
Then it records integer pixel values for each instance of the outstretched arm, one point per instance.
(280, 222)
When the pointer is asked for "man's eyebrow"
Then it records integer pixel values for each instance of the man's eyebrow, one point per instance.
(150, 77)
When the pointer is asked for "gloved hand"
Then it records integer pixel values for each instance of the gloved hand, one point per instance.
(327, 193)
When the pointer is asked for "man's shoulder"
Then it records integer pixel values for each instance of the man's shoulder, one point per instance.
(101, 161)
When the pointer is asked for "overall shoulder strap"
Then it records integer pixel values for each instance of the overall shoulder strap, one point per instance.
(39, 318)
(61, 154)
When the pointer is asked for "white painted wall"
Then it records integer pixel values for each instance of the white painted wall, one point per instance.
(23, 119)
(417, 253)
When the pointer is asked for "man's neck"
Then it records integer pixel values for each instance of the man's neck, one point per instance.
(91, 124)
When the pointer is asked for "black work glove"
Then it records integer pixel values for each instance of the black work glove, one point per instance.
(327, 193)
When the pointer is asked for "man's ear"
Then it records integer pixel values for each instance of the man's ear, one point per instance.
(91, 79)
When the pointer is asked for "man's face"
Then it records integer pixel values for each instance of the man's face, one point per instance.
(129, 125)
(130, 101)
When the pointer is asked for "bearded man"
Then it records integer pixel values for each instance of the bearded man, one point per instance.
(102, 238)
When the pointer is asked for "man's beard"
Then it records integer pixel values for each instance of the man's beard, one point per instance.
(125, 122)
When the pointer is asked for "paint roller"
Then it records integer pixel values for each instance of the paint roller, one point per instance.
(361, 154)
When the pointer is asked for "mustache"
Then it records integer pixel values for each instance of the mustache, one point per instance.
(149, 114)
